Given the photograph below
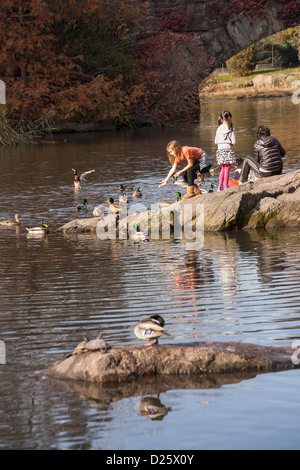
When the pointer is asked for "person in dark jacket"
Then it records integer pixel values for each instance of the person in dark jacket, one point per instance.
(267, 160)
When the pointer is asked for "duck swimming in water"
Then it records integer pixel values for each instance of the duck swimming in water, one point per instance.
(126, 188)
(11, 223)
(82, 206)
(211, 190)
(80, 179)
(150, 328)
(138, 235)
(168, 203)
(137, 193)
(43, 229)
(178, 182)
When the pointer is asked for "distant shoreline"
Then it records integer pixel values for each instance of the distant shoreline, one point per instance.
(282, 83)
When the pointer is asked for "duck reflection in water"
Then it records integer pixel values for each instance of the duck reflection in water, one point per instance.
(152, 407)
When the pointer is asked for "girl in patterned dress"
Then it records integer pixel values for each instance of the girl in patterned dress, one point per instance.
(225, 139)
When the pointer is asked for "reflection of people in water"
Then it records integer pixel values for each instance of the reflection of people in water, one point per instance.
(152, 408)
(189, 276)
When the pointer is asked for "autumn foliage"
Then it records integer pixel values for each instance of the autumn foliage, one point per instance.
(68, 56)
(170, 77)
(76, 58)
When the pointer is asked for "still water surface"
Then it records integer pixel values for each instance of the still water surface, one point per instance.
(55, 290)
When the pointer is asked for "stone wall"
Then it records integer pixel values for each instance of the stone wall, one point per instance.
(225, 27)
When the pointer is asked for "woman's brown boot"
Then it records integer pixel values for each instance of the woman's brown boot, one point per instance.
(197, 190)
(190, 192)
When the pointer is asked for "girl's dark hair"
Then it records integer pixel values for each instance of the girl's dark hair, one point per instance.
(263, 131)
(226, 116)
(239, 161)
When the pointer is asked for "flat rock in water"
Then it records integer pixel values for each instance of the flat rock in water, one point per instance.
(130, 362)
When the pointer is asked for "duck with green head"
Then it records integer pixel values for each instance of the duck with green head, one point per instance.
(82, 206)
(150, 328)
(43, 229)
(168, 203)
(138, 192)
(138, 235)
(178, 182)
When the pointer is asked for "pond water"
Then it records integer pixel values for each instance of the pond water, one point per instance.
(241, 286)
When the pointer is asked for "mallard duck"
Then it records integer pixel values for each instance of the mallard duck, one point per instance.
(82, 206)
(123, 199)
(43, 229)
(178, 182)
(138, 235)
(137, 193)
(114, 206)
(11, 223)
(168, 203)
(126, 188)
(211, 190)
(150, 328)
(80, 179)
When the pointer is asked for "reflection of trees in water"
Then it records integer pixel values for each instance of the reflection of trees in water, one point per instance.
(247, 116)
(268, 252)
(189, 274)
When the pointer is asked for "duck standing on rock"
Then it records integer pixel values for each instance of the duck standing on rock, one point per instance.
(80, 179)
(11, 223)
(150, 328)
(99, 211)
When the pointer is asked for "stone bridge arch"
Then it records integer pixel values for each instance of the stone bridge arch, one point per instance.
(224, 27)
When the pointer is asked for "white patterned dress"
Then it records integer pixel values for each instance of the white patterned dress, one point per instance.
(225, 139)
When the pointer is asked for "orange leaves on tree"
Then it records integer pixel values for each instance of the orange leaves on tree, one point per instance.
(172, 74)
(50, 57)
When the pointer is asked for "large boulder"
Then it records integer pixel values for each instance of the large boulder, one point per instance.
(130, 362)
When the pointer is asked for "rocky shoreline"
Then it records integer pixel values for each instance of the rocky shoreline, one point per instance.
(261, 86)
(269, 203)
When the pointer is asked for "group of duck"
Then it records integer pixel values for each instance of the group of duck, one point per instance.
(115, 207)
(98, 211)
(43, 229)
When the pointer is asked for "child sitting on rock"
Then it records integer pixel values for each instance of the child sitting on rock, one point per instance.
(267, 160)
